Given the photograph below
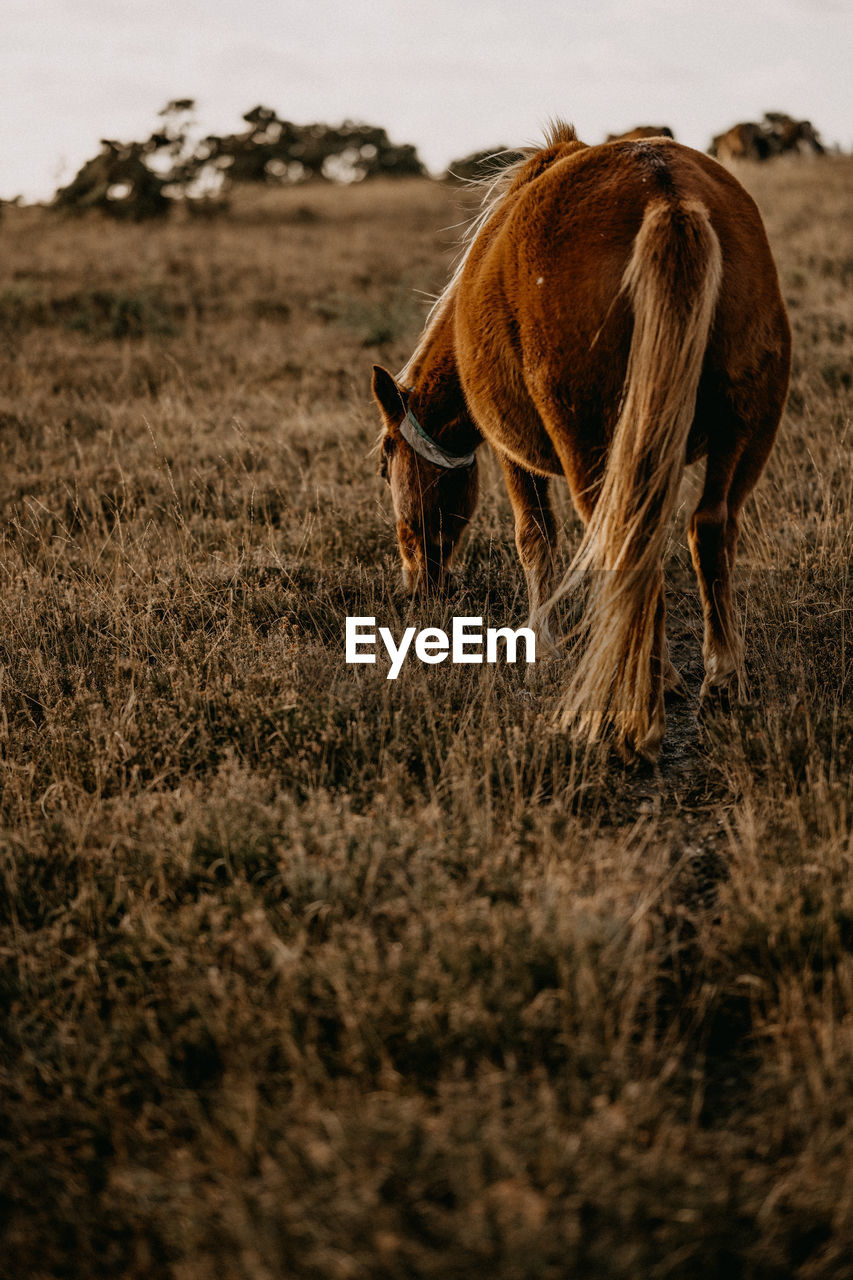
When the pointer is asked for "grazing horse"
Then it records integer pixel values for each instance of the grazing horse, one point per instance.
(616, 315)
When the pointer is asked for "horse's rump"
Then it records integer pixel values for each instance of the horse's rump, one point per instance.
(542, 325)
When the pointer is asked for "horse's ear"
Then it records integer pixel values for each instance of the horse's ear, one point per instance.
(386, 392)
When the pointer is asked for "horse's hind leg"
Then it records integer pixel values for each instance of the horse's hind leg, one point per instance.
(536, 540)
(713, 536)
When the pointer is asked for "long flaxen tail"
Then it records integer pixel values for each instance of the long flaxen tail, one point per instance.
(673, 280)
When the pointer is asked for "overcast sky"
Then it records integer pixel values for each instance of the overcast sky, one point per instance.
(451, 76)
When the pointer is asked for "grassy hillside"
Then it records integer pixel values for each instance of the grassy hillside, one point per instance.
(306, 973)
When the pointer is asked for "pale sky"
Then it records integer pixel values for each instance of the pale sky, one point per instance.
(450, 76)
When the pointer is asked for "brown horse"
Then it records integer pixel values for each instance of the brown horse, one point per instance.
(616, 315)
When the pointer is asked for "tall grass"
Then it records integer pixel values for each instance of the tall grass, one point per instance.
(309, 973)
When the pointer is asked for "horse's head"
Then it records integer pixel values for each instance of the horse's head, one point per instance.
(434, 492)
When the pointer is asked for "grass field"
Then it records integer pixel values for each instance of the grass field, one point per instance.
(306, 973)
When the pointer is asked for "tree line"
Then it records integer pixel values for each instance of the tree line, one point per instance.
(139, 180)
(143, 179)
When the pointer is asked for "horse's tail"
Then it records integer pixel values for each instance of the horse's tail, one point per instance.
(672, 279)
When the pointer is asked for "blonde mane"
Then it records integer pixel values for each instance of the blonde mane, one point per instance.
(494, 187)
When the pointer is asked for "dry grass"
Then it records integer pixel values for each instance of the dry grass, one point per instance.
(310, 974)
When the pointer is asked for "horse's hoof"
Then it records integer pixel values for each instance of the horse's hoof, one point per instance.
(716, 699)
(640, 755)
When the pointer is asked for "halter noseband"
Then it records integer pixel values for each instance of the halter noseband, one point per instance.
(423, 443)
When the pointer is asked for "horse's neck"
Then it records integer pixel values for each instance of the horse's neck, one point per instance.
(438, 400)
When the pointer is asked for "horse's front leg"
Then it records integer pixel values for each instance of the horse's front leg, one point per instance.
(536, 540)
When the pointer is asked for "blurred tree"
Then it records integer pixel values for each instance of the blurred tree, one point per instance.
(776, 134)
(275, 150)
(117, 181)
(141, 179)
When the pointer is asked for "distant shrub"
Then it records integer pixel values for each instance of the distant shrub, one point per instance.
(777, 134)
(118, 182)
(377, 324)
(140, 180)
(277, 151)
(106, 313)
(97, 313)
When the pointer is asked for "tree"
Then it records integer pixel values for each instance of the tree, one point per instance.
(142, 179)
(117, 181)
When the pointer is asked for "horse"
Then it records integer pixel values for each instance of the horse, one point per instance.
(615, 316)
